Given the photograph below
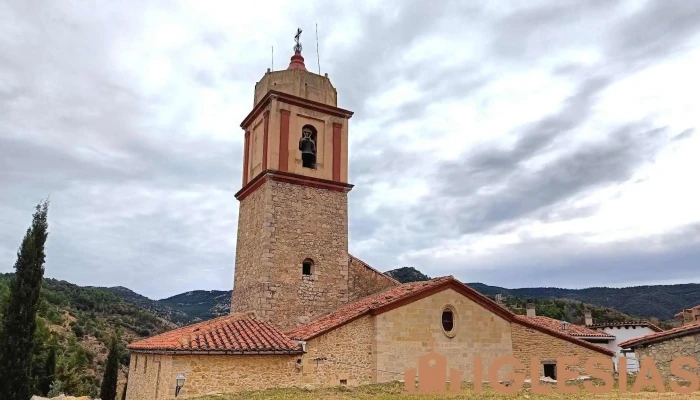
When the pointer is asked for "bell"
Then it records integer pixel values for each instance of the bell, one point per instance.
(307, 147)
(308, 152)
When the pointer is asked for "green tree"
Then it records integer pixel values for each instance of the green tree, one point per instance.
(49, 372)
(19, 319)
(108, 390)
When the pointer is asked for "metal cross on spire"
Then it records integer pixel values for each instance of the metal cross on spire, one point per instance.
(297, 46)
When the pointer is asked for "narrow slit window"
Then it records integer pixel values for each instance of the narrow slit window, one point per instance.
(307, 267)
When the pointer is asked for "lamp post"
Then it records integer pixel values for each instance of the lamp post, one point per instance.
(179, 383)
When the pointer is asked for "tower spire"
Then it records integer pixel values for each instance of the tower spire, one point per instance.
(297, 61)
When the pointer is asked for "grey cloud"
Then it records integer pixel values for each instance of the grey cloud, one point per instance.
(486, 165)
(141, 203)
(658, 30)
(567, 262)
(523, 192)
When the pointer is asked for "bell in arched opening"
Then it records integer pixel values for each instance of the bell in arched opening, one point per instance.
(307, 146)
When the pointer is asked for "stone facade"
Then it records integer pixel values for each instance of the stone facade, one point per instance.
(345, 353)
(146, 377)
(281, 225)
(528, 343)
(153, 377)
(364, 281)
(663, 352)
(405, 333)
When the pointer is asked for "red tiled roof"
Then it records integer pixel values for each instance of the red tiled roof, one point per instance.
(685, 330)
(627, 323)
(579, 331)
(351, 257)
(409, 292)
(230, 334)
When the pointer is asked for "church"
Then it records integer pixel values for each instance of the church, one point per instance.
(305, 312)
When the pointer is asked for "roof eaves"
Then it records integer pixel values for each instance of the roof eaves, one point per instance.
(660, 337)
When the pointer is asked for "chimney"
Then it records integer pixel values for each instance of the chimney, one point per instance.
(588, 317)
(530, 307)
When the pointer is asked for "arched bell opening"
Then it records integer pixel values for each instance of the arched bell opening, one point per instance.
(307, 146)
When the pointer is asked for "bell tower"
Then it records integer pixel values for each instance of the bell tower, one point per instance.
(292, 247)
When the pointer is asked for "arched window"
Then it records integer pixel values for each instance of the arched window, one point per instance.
(307, 267)
(308, 146)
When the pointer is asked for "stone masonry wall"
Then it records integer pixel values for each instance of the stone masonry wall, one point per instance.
(252, 263)
(205, 374)
(404, 334)
(345, 353)
(147, 377)
(364, 281)
(281, 225)
(663, 352)
(528, 343)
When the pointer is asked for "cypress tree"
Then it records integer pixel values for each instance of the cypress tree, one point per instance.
(108, 390)
(18, 323)
(49, 372)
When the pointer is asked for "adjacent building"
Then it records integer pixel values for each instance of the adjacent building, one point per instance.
(688, 316)
(664, 346)
(622, 332)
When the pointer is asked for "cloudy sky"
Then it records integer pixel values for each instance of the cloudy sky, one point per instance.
(538, 143)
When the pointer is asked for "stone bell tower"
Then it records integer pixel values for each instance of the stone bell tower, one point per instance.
(292, 248)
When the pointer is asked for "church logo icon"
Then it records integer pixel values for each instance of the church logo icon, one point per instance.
(432, 374)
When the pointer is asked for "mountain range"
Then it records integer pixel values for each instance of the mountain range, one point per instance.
(652, 301)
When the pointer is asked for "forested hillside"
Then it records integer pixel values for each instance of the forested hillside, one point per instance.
(77, 323)
(655, 301)
(659, 301)
(201, 304)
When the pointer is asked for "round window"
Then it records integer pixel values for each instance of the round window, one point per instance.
(449, 321)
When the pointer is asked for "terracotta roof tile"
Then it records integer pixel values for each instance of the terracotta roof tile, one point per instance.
(574, 330)
(685, 330)
(361, 307)
(626, 323)
(400, 295)
(236, 333)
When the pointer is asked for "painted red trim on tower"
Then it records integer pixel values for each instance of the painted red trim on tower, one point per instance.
(296, 101)
(266, 116)
(246, 149)
(284, 140)
(336, 150)
(289, 177)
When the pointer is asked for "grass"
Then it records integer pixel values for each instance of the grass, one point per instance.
(394, 391)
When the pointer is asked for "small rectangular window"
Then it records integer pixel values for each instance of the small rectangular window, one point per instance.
(344, 382)
(306, 268)
(550, 371)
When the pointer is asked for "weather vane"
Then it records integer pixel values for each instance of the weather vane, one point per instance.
(297, 47)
